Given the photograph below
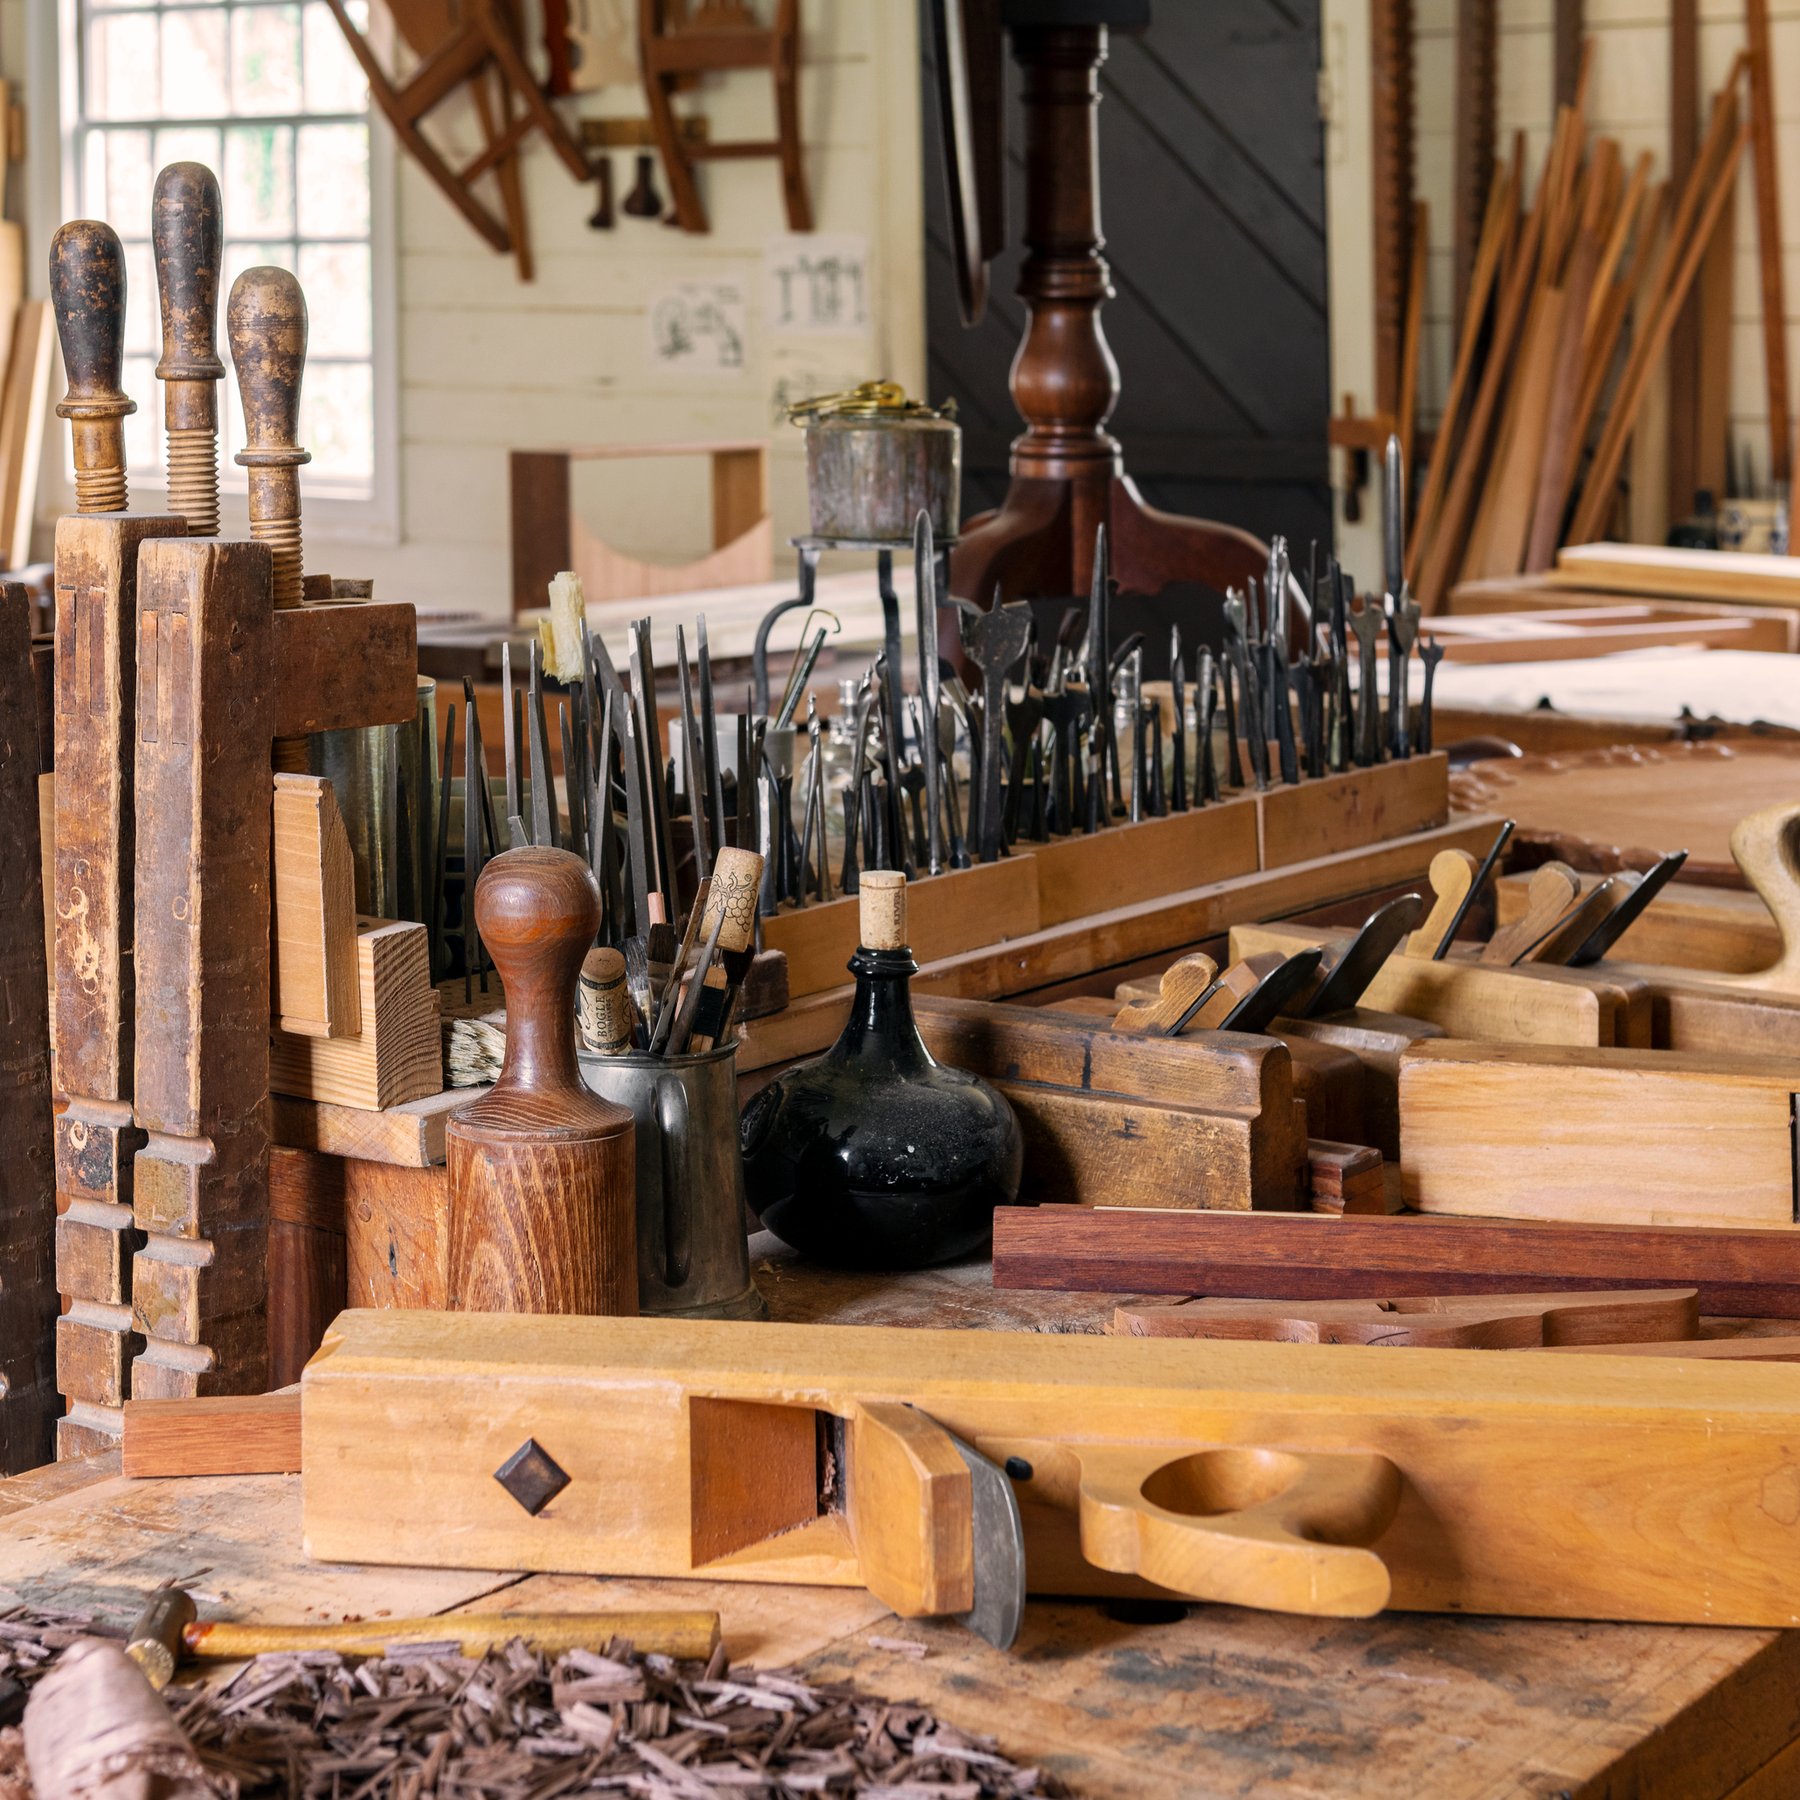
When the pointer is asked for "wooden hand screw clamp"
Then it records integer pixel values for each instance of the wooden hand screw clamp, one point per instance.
(187, 230)
(543, 1192)
(96, 654)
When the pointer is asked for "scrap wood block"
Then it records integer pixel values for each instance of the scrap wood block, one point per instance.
(1348, 1178)
(1252, 1255)
(1605, 1136)
(28, 1286)
(1435, 1321)
(315, 973)
(204, 719)
(1144, 1460)
(226, 1434)
(398, 1053)
(1250, 1079)
(343, 664)
(410, 1134)
(1350, 810)
(962, 909)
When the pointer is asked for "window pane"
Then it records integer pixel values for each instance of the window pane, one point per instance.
(334, 79)
(128, 181)
(121, 67)
(337, 420)
(336, 279)
(195, 83)
(265, 59)
(143, 318)
(188, 143)
(334, 180)
(93, 175)
(143, 434)
(259, 180)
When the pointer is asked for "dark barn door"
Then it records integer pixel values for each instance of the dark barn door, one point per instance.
(1213, 208)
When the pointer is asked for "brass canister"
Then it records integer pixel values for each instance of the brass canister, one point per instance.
(875, 460)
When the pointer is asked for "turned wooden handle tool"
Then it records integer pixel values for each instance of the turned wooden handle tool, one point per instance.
(543, 1200)
(87, 289)
(265, 320)
(187, 237)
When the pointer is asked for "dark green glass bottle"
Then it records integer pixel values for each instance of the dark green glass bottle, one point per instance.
(874, 1155)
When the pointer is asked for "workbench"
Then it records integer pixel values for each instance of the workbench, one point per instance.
(1120, 1699)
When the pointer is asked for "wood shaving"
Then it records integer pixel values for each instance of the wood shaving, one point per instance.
(516, 1725)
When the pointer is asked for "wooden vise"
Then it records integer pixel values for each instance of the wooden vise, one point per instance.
(180, 660)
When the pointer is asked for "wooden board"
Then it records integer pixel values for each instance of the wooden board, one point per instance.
(349, 663)
(945, 914)
(410, 1134)
(1606, 1136)
(1622, 808)
(28, 1297)
(1757, 580)
(1310, 1255)
(95, 700)
(1349, 811)
(314, 947)
(205, 715)
(398, 1467)
(24, 398)
(1080, 875)
(1564, 633)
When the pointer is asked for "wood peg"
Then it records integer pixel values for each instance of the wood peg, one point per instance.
(265, 320)
(1182, 984)
(87, 289)
(543, 1205)
(187, 236)
(1766, 846)
(1554, 889)
(1452, 875)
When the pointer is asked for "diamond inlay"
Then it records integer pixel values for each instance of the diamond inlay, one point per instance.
(532, 1476)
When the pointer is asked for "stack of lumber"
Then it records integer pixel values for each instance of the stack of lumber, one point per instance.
(26, 337)
(1571, 306)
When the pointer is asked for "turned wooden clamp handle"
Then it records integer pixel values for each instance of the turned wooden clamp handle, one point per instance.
(187, 238)
(265, 320)
(1281, 1530)
(87, 289)
(543, 1201)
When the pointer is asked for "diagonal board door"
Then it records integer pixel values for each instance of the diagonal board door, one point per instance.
(1213, 209)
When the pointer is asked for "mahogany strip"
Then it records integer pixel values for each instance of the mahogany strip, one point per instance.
(1306, 1256)
(228, 1434)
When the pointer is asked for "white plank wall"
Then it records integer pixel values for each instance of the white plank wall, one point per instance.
(487, 363)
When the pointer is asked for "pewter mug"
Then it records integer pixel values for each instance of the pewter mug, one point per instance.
(693, 1247)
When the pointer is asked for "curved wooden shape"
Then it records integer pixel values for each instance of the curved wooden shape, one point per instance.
(1452, 875)
(1767, 848)
(1274, 1529)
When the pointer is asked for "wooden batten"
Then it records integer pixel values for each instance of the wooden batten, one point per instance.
(1352, 810)
(409, 1134)
(962, 909)
(317, 991)
(1081, 875)
(398, 1054)
(1626, 1137)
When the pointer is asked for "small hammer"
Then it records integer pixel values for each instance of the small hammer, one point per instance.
(170, 1627)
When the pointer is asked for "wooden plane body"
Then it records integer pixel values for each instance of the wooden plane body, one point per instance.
(1288, 1476)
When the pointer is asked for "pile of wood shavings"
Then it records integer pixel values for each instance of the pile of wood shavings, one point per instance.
(31, 1639)
(425, 1723)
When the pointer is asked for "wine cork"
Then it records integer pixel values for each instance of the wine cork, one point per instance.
(736, 882)
(881, 896)
(602, 1006)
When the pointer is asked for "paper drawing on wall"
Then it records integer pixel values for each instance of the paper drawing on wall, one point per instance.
(817, 284)
(699, 326)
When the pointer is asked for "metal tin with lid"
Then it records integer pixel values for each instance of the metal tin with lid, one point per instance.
(875, 460)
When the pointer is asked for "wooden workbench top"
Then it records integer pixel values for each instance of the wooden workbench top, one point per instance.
(1206, 1701)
